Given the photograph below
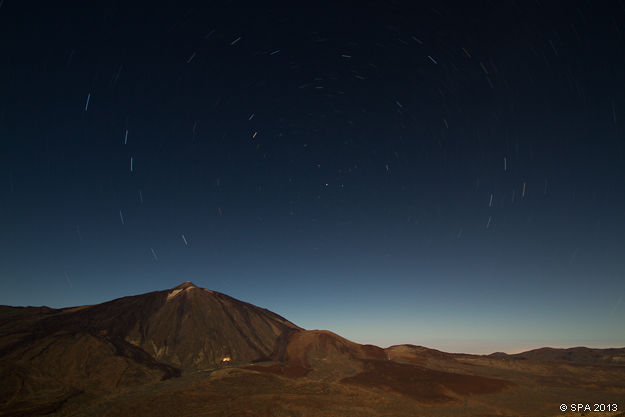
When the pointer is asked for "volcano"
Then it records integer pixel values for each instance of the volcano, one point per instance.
(190, 351)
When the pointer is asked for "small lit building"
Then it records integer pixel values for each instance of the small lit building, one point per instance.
(226, 356)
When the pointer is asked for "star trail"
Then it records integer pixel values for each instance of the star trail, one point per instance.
(444, 174)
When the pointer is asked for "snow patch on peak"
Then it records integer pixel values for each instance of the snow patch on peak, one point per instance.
(173, 294)
(179, 289)
(185, 285)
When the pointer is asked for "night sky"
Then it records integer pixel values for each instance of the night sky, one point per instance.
(438, 174)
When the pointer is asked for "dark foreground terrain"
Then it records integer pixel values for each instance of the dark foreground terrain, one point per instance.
(188, 351)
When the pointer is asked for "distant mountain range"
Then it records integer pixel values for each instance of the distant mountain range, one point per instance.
(578, 355)
(174, 352)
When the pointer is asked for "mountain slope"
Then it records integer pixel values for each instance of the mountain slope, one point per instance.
(579, 355)
(48, 355)
(162, 354)
(187, 327)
